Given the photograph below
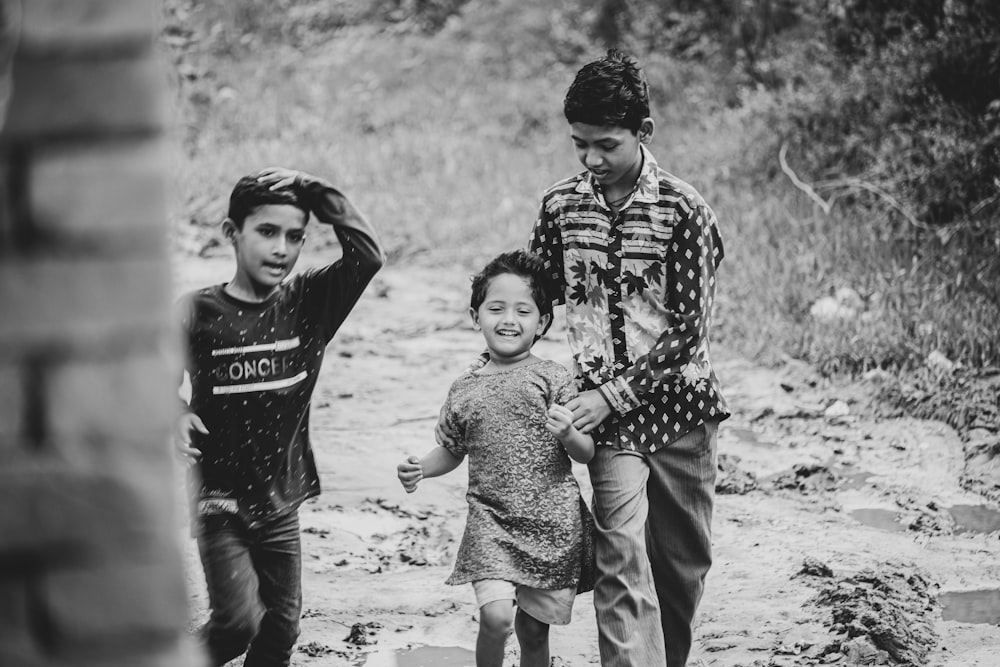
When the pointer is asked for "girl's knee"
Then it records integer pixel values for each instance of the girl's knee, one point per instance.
(497, 618)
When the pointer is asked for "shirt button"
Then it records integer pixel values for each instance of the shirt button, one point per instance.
(610, 266)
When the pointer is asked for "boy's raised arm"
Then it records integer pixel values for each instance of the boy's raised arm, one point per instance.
(358, 238)
(344, 280)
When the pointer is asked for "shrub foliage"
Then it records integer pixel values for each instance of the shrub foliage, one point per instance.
(890, 111)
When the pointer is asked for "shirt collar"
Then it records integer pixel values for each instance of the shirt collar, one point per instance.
(647, 185)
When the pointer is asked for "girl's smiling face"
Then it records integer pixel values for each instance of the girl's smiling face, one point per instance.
(509, 319)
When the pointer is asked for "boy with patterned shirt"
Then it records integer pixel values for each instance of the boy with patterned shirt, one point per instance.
(632, 251)
(254, 350)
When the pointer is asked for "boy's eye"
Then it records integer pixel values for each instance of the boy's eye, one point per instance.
(296, 237)
(266, 231)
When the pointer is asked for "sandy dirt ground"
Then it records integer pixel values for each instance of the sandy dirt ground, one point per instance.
(834, 536)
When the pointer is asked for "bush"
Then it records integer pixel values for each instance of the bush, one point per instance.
(890, 114)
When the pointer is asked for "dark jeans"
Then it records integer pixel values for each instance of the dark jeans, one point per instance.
(254, 589)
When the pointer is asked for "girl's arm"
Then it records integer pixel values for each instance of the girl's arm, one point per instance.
(439, 461)
(578, 445)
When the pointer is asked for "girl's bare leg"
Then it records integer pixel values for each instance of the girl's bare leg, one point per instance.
(496, 620)
(533, 636)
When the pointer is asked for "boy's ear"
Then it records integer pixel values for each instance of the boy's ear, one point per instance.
(474, 314)
(544, 322)
(646, 128)
(229, 229)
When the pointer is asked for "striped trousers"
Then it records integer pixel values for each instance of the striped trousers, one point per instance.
(653, 515)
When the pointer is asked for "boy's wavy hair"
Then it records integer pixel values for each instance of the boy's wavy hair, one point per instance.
(519, 263)
(609, 91)
(249, 194)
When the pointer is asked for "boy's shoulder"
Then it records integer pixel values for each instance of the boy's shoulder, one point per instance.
(670, 188)
(564, 186)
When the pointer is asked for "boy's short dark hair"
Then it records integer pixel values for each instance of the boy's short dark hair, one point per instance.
(249, 194)
(609, 91)
(520, 263)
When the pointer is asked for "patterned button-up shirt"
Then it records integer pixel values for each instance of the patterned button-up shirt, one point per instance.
(638, 288)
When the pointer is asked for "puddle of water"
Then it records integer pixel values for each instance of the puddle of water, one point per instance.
(856, 479)
(971, 606)
(975, 519)
(421, 656)
(879, 518)
(748, 436)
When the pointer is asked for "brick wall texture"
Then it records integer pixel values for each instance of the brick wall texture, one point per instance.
(90, 563)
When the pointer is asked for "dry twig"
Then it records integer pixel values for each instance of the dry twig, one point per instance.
(843, 183)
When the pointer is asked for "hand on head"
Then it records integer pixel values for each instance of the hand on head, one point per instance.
(279, 177)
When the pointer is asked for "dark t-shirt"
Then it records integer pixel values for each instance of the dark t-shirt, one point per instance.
(253, 368)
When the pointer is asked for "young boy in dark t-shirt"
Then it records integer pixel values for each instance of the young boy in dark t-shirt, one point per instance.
(254, 350)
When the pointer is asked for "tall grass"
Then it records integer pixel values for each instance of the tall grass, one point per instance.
(446, 141)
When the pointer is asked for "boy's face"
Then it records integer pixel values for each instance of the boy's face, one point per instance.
(268, 245)
(611, 153)
(509, 318)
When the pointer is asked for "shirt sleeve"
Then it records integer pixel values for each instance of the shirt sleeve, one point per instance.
(564, 388)
(546, 242)
(694, 255)
(338, 287)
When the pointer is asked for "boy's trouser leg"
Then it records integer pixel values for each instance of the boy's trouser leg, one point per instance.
(224, 545)
(681, 493)
(277, 558)
(628, 616)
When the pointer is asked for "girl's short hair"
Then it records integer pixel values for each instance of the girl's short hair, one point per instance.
(609, 91)
(249, 194)
(520, 263)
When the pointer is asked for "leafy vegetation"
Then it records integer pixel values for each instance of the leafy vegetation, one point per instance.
(887, 118)
(851, 148)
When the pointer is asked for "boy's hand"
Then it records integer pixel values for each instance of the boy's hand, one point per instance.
(279, 178)
(442, 434)
(187, 423)
(589, 410)
(410, 472)
(560, 421)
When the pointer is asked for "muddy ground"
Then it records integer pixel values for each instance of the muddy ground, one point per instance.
(836, 539)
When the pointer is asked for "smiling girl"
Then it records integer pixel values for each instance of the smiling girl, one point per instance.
(527, 536)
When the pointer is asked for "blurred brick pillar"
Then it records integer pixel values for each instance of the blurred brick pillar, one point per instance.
(90, 568)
